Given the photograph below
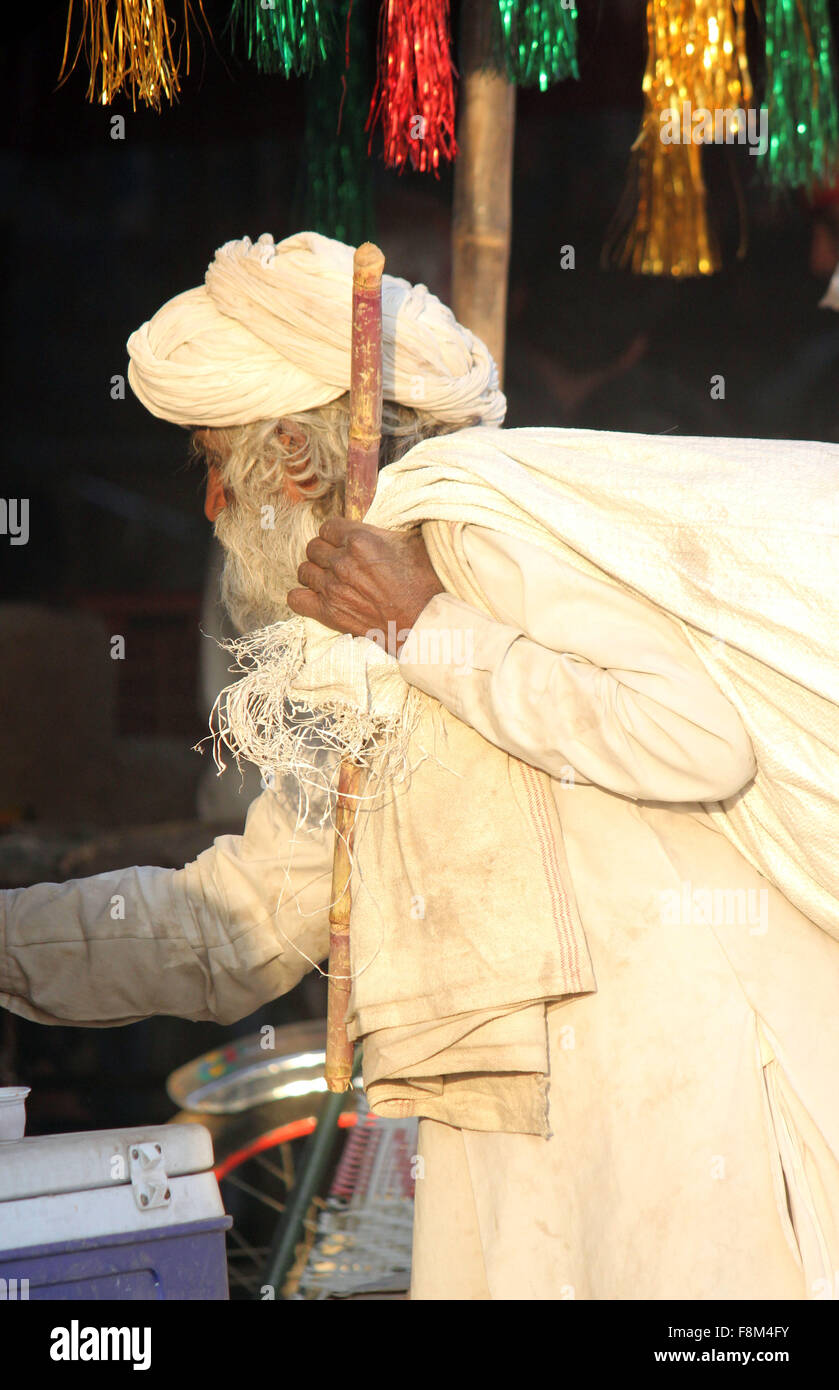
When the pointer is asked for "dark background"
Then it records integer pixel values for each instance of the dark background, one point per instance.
(95, 234)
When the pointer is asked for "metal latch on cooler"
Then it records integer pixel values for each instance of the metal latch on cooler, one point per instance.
(149, 1181)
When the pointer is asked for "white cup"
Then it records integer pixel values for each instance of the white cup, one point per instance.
(13, 1112)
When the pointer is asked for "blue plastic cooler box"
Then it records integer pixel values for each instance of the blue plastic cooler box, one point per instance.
(112, 1214)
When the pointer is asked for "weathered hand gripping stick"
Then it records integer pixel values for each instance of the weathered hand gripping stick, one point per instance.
(362, 468)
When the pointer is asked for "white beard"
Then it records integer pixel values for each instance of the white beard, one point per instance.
(261, 561)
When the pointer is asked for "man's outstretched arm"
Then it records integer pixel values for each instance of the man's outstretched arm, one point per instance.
(212, 941)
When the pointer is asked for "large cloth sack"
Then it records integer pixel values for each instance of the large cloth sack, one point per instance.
(735, 538)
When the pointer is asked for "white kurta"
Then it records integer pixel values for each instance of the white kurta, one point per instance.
(688, 1095)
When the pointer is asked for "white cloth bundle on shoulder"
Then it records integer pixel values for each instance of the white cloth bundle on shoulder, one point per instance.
(737, 539)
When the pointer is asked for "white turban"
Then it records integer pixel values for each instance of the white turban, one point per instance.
(268, 334)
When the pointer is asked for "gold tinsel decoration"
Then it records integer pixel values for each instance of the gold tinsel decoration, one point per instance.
(129, 47)
(696, 56)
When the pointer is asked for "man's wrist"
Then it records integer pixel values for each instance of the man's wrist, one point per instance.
(405, 630)
(451, 640)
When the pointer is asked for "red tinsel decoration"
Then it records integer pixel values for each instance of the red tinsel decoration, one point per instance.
(414, 96)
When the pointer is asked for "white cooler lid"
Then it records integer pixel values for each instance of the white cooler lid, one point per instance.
(47, 1164)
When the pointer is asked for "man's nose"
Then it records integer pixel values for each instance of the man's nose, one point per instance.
(214, 498)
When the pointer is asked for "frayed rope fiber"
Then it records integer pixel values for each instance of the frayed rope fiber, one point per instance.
(306, 688)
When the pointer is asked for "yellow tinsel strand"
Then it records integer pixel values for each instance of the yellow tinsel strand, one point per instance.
(128, 46)
(696, 55)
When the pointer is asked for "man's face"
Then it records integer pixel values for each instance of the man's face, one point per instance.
(264, 541)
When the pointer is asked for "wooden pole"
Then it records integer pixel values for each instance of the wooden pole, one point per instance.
(483, 183)
(362, 470)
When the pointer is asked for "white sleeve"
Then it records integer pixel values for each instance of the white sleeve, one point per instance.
(214, 940)
(578, 675)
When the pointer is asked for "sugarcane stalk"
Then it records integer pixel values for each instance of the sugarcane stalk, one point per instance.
(362, 470)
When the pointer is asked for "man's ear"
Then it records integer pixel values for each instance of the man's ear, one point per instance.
(296, 440)
(215, 497)
(293, 433)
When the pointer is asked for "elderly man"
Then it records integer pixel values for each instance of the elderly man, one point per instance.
(615, 1100)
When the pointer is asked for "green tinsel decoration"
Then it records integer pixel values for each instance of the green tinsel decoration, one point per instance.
(803, 148)
(338, 190)
(539, 40)
(288, 37)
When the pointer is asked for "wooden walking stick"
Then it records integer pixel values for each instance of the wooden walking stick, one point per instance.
(362, 469)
